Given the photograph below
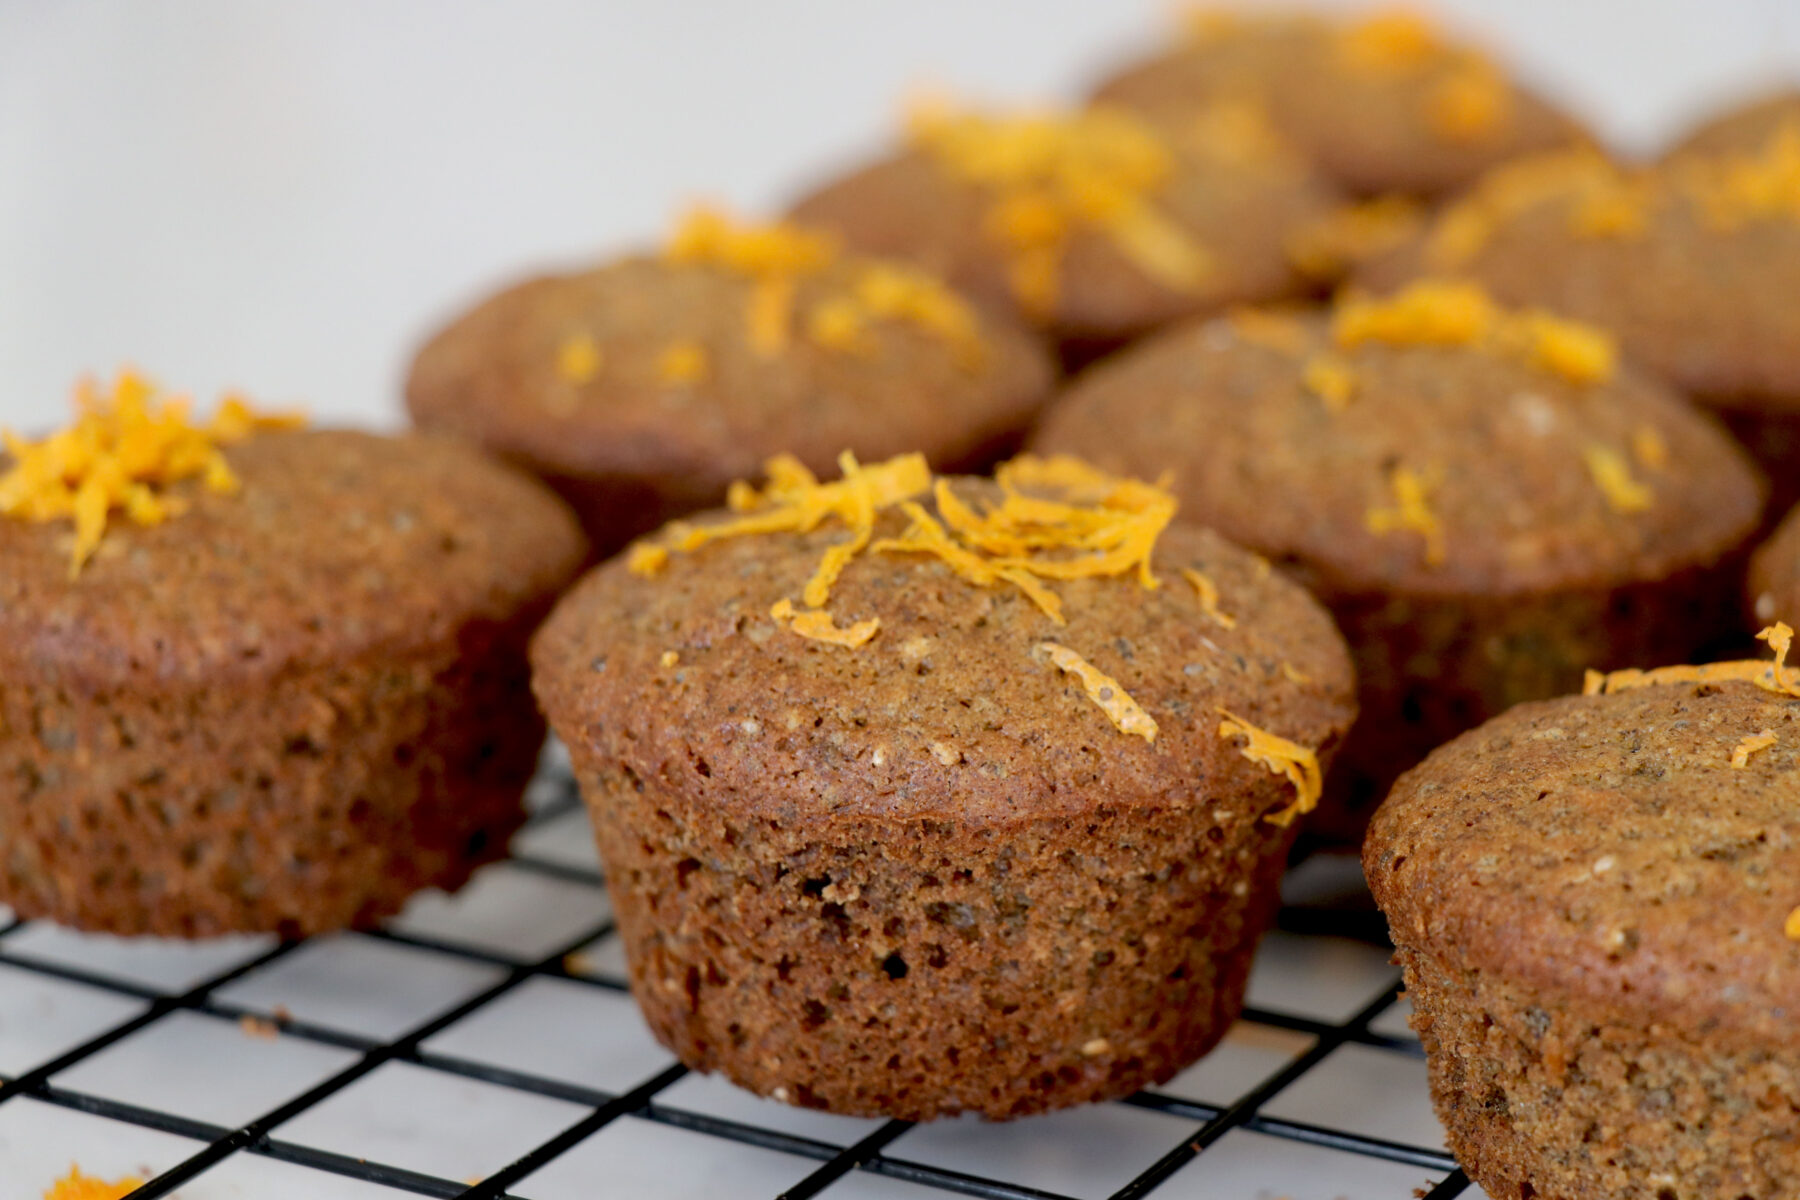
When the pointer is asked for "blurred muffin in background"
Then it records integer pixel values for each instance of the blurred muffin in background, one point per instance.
(1488, 502)
(1094, 224)
(1775, 575)
(1381, 104)
(1693, 265)
(641, 388)
(1742, 129)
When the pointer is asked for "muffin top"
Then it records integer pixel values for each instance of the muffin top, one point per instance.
(1384, 104)
(1638, 851)
(1692, 265)
(1432, 442)
(1096, 223)
(1744, 129)
(734, 342)
(209, 553)
(997, 651)
(1775, 574)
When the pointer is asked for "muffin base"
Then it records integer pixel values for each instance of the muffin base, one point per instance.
(316, 801)
(915, 967)
(1544, 1099)
(1429, 668)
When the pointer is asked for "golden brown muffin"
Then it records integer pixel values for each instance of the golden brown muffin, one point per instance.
(295, 696)
(1382, 104)
(640, 388)
(1692, 266)
(1486, 500)
(1095, 224)
(1775, 575)
(959, 834)
(1597, 903)
(1744, 129)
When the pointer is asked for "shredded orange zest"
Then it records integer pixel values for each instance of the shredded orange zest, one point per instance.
(840, 324)
(772, 256)
(126, 448)
(1051, 175)
(1208, 593)
(1601, 201)
(1649, 447)
(1431, 312)
(1470, 104)
(76, 1186)
(1331, 379)
(1294, 674)
(1396, 42)
(1440, 312)
(669, 658)
(1753, 744)
(1580, 353)
(1792, 928)
(645, 558)
(1281, 757)
(1103, 690)
(1411, 512)
(1275, 330)
(682, 362)
(1769, 676)
(578, 359)
(1735, 190)
(1613, 477)
(819, 626)
(1330, 246)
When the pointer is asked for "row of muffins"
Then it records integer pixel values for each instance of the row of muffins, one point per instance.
(821, 768)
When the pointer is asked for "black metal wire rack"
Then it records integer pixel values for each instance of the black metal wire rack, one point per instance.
(818, 1166)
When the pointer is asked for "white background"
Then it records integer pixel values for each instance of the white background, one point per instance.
(286, 196)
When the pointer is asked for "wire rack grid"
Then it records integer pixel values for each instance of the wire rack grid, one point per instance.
(484, 1046)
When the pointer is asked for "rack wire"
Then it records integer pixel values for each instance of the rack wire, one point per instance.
(816, 1164)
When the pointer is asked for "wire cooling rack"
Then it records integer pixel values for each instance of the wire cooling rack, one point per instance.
(484, 1046)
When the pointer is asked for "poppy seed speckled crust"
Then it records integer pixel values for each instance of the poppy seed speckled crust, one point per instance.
(1592, 904)
(1775, 575)
(1541, 577)
(630, 448)
(929, 875)
(1372, 129)
(284, 709)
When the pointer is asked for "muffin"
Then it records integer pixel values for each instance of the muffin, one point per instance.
(1487, 500)
(641, 388)
(1094, 224)
(1775, 574)
(919, 797)
(272, 680)
(1745, 129)
(1381, 104)
(1692, 266)
(1596, 900)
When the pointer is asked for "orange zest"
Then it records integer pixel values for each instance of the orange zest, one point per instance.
(76, 1186)
(1208, 594)
(1124, 712)
(578, 359)
(771, 256)
(1754, 743)
(1612, 475)
(126, 449)
(1412, 512)
(1774, 676)
(1281, 757)
(1048, 176)
(819, 627)
(682, 362)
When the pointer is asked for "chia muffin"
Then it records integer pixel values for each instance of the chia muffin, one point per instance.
(641, 388)
(280, 686)
(996, 831)
(1381, 104)
(1691, 265)
(1094, 224)
(1775, 574)
(1596, 900)
(1487, 500)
